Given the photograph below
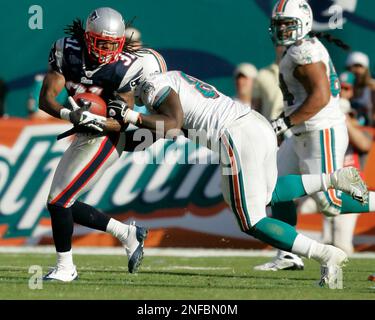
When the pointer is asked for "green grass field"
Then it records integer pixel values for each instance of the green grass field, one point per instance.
(106, 277)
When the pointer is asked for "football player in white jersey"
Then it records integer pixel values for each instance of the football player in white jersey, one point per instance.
(311, 90)
(247, 147)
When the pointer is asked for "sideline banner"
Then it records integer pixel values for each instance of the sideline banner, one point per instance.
(178, 199)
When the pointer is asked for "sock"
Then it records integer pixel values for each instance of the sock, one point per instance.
(349, 205)
(291, 187)
(62, 227)
(90, 217)
(303, 246)
(314, 183)
(285, 211)
(65, 259)
(371, 201)
(118, 229)
(309, 248)
(275, 233)
(288, 188)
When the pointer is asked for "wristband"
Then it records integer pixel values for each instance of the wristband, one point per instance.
(64, 114)
(131, 116)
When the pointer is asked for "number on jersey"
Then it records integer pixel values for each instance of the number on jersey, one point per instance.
(205, 89)
(334, 80)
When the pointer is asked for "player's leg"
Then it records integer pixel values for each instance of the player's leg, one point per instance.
(250, 185)
(245, 186)
(131, 236)
(343, 232)
(62, 223)
(80, 167)
(349, 205)
(293, 186)
(287, 164)
(323, 152)
(347, 180)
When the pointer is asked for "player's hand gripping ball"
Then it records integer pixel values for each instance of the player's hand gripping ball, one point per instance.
(97, 104)
(89, 111)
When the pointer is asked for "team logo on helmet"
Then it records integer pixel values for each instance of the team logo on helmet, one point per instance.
(304, 8)
(94, 15)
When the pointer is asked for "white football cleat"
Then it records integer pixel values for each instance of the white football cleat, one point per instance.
(283, 261)
(134, 246)
(331, 267)
(61, 273)
(349, 181)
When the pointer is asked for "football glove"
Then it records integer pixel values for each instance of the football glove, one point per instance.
(116, 109)
(281, 125)
(80, 116)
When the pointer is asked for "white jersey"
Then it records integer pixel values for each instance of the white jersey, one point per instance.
(309, 51)
(206, 110)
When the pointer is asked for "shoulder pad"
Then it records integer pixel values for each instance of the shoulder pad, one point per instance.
(306, 53)
(130, 77)
(153, 61)
(55, 59)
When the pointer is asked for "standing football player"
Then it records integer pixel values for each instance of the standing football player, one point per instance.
(319, 138)
(92, 60)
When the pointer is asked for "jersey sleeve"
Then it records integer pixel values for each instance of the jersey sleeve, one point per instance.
(306, 53)
(153, 92)
(55, 60)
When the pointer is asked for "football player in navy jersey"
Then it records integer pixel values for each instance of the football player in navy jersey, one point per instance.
(96, 60)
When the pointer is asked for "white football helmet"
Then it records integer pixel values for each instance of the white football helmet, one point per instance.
(291, 21)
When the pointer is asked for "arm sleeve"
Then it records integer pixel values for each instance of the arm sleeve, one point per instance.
(55, 60)
(153, 93)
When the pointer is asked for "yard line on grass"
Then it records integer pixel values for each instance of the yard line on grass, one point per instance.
(166, 252)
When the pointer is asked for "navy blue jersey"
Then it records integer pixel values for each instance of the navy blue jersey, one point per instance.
(69, 58)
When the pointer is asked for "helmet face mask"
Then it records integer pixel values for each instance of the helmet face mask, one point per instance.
(103, 49)
(104, 35)
(291, 21)
(285, 30)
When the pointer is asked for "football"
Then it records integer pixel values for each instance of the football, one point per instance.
(98, 105)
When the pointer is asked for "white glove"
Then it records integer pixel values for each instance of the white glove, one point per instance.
(281, 125)
(92, 121)
(74, 104)
(80, 116)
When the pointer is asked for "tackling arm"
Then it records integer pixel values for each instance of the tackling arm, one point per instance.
(170, 114)
(114, 125)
